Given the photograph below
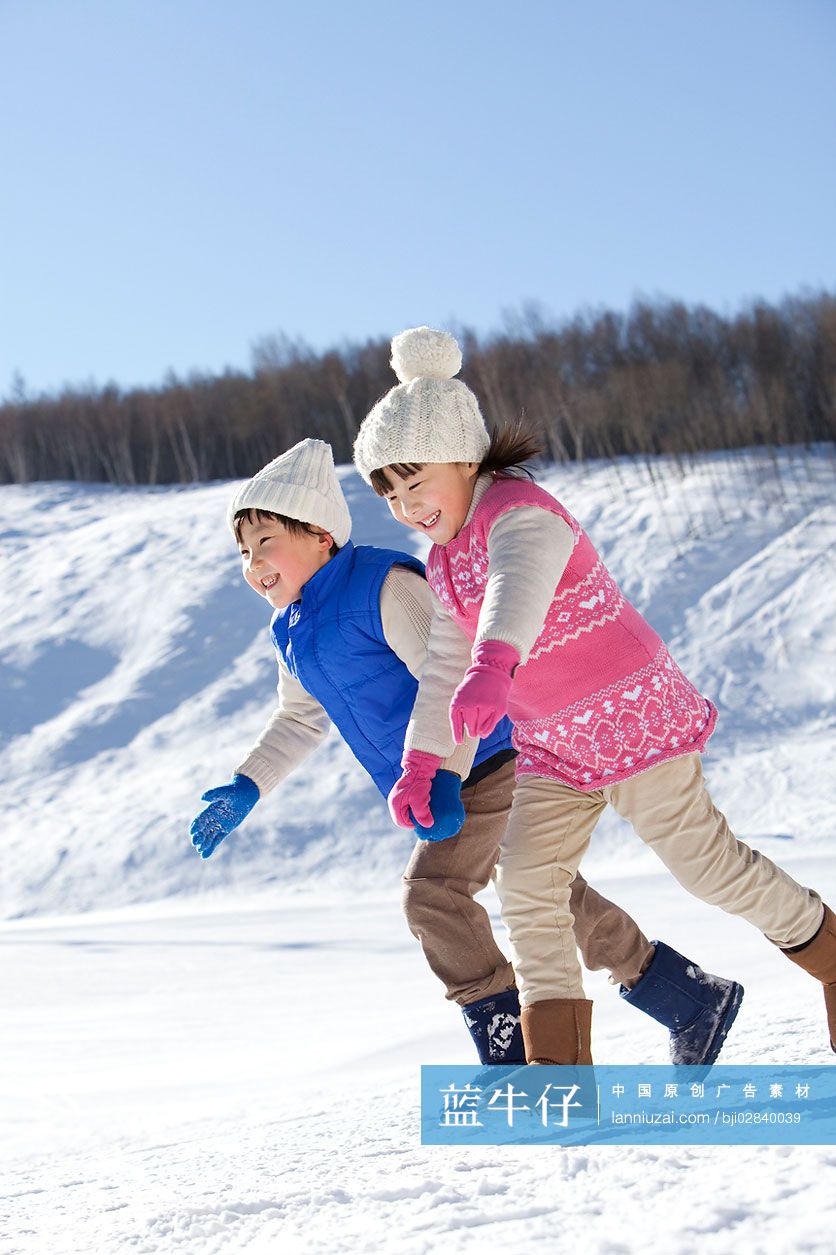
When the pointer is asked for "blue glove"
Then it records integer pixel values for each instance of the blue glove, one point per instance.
(445, 806)
(228, 806)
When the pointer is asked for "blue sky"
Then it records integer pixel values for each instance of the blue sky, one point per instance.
(181, 178)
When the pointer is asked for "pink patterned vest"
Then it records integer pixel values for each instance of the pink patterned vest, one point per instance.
(599, 698)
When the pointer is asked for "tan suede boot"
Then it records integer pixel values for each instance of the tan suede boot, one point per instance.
(558, 1030)
(818, 957)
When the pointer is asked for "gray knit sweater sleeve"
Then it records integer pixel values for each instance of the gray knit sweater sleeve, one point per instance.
(406, 609)
(448, 657)
(297, 726)
(528, 549)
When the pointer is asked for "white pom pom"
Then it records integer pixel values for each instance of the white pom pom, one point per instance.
(422, 353)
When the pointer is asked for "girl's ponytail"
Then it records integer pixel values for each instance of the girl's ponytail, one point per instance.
(510, 448)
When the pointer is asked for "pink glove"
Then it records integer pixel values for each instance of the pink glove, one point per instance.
(481, 699)
(412, 791)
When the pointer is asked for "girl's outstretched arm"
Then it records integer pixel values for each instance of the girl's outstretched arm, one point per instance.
(406, 610)
(448, 657)
(528, 550)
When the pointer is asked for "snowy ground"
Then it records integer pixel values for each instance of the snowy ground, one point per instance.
(224, 1056)
(246, 1078)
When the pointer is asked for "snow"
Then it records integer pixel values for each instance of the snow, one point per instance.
(224, 1056)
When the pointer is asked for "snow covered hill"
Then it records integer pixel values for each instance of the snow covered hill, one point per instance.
(223, 1057)
(135, 669)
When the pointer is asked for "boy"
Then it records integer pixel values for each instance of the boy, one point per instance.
(350, 629)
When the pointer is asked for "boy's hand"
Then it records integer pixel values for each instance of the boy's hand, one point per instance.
(409, 801)
(481, 699)
(228, 806)
(446, 806)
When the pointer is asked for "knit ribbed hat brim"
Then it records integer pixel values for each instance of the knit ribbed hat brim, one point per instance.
(300, 484)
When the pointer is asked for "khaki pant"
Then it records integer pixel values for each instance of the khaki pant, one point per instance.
(455, 932)
(669, 807)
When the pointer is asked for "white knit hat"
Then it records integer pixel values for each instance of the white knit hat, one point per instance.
(429, 416)
(301, 484)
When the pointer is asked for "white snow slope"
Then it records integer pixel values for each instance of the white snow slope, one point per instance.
(223, 1056)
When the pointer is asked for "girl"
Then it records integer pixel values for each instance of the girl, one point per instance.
(529, 622)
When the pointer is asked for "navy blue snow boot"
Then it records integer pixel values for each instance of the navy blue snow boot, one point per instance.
(698, 1008)
(494, 1025)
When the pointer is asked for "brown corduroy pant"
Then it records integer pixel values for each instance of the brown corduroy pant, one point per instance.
(455, 932)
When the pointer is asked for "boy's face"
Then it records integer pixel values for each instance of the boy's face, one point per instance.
(278, 564)
(435, 499)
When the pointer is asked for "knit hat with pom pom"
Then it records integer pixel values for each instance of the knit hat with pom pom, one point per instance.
(300, 484)
(429, 416)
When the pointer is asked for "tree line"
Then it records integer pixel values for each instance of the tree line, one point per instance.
(663, 377)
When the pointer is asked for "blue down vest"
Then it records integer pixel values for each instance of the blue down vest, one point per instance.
(332, 641)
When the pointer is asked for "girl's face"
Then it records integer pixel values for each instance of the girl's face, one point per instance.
(435, 499)
(277, 563)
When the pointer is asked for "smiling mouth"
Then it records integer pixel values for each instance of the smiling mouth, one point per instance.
(431, 521)
(268, 581)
